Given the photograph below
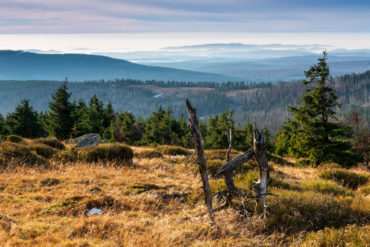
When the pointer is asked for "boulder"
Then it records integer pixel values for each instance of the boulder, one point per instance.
(88, 140)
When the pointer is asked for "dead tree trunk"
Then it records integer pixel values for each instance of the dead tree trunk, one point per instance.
(259, 149)
(228, 171)
(230, 140)
(202, 161)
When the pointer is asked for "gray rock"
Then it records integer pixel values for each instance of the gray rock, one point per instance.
(88, 140)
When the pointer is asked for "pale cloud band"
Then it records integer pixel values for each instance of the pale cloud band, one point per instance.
(124, 16)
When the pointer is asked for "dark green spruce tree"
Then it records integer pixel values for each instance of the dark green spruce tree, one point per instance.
(60, 119)
(2, 125)
(24, 121)
(314, 131)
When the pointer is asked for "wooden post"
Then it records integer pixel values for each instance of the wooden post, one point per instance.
(202, 161)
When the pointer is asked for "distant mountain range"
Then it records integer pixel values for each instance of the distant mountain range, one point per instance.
(196, 63)
(19, 65)
(252, 62)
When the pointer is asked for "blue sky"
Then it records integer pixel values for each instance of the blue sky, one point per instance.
(140, 16)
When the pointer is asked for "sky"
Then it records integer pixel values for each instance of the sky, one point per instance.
(149, 24)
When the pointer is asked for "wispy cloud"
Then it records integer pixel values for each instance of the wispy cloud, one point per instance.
(107, 16)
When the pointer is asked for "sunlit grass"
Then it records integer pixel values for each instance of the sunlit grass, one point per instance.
(157, 202)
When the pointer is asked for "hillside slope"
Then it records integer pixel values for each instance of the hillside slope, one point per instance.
(159, 202)
(19, 65)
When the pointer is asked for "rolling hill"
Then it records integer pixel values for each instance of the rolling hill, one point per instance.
(19, 65)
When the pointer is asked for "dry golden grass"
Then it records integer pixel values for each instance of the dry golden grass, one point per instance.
(155, 202)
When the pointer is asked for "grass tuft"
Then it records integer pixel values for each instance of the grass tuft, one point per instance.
(293, 212)
(51, 142)
(326, 187)
(118, 153)
(346, 178)
(18, 154)
(149, 154)
(15, 139)
(172, 150)
(43, 150)
(351, 235)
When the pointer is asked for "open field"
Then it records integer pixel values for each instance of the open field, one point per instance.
(156, 202)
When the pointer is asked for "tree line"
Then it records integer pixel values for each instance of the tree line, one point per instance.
(67, 119)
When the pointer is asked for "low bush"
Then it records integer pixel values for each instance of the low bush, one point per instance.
(43, 150)
(326, 187)
(172, 150)
(294, 211)
(149, 154)
(66, 156)
(18, 154)
(15, 139)
(107, 152)
(346, 178)
(351, 235)
(51, 142)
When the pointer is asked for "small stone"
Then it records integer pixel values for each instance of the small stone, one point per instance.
(94, 211)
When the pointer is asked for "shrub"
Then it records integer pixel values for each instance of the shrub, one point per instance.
(17, 154)
(294, 211)
(325, 187)
(149, 154)
(346, 178)
(51, 142)
(66, 156)
(15, 139)
(43, 150)
(172, 150)
(351, 235)
(106, 152)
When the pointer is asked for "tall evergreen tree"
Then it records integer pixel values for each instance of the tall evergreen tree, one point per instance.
(313, 132)
(60, 116)
(109, 115)
(93, 117)
(24, 121)
(2, 125)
